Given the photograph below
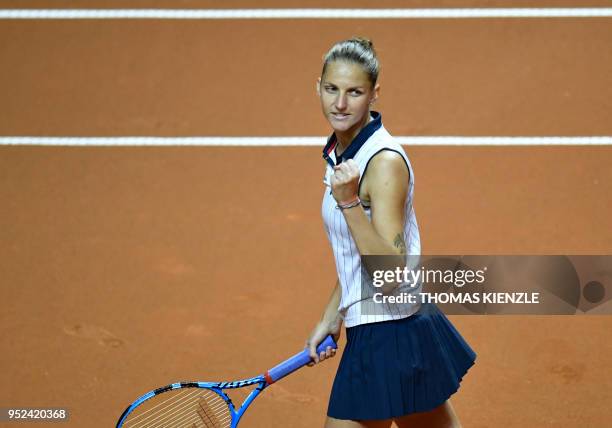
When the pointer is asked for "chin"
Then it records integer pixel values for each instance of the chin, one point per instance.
(341, 126)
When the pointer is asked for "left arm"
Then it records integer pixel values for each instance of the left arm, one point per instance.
(386, 185)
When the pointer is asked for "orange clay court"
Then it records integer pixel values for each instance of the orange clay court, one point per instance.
(126, 268)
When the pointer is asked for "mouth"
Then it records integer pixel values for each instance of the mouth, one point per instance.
(339, 116)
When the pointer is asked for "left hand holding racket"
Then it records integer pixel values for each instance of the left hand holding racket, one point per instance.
(318, 335)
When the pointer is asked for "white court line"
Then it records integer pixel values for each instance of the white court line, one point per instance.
(299, 141)
(304, 13)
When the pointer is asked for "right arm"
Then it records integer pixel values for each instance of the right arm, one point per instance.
(330, 323)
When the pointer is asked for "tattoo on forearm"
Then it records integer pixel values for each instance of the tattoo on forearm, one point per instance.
(399, 243)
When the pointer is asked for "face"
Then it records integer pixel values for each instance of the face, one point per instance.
(346, 94)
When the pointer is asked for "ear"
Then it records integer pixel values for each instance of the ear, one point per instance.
(375, 93)
(319, 86)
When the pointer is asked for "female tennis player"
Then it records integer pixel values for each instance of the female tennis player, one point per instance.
(401, 362)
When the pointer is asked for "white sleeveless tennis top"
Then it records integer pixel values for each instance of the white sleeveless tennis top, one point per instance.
(356, 305)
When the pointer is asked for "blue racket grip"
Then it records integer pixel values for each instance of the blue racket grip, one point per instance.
(297, 361)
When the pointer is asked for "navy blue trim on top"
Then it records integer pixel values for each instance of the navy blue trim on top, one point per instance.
(350, 152)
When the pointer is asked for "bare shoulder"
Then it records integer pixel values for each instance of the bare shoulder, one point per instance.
(386, 169)
(388, 160)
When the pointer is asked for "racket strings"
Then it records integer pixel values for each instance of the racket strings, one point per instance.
(162, 411)
(208, 415)
(171, 400)
(186, 407)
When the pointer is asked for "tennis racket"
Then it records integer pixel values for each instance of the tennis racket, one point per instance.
(205, 404)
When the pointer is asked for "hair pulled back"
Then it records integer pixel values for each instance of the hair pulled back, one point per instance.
(357, 50)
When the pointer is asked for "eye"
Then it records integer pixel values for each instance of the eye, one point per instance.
(330, 89)
(356, 92)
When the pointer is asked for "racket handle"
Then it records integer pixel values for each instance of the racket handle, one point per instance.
(297, 361)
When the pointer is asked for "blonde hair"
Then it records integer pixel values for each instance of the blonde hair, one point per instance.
(357, 50)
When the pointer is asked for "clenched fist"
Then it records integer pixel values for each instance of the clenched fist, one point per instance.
(345, 181)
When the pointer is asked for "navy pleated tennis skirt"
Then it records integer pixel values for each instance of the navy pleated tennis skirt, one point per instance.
(393, 368)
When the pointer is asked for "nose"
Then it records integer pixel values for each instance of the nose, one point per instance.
(340, 103)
